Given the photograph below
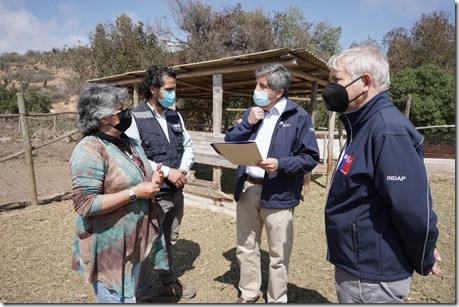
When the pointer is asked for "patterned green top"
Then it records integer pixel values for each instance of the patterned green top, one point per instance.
(107, 246)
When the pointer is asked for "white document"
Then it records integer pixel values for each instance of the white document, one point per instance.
(238, 153)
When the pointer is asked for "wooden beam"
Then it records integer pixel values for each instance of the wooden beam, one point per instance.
(204, 88)
(126, 82)
(234, 69)
(307, 76)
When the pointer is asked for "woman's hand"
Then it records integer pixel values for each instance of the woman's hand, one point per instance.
(158, 175)
(147, 189)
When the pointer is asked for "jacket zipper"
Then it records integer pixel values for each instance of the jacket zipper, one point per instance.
(355, 243)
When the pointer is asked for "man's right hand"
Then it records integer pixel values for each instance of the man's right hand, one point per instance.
(256, 113)
(436, 268)
(177, 177)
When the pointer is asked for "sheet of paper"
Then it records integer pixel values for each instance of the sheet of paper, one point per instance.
(238, 153)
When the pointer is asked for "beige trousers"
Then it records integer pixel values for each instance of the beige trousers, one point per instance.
(279, 232)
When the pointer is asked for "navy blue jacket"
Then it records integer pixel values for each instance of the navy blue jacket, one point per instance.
(293, 144)
(378, 216)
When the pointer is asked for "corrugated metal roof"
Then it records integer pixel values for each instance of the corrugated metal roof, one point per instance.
(195, 80)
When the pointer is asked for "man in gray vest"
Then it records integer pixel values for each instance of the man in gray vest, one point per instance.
(162, 134)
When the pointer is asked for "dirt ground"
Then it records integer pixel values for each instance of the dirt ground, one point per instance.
(37, 244)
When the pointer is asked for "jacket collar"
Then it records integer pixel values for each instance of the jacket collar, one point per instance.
(290, 105)
(357, 118)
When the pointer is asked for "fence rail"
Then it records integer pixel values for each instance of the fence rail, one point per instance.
(54, 135)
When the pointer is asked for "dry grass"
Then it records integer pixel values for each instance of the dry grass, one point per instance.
(37, 243)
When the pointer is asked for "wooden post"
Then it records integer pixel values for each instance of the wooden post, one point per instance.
(331, 137)
(217, 108)
(216, 177)
(340, 135)
(408, 106)
(135, 95)
(312, 112)
(312, 109)
(54, 122)
(248, 102)
(324, 159)
(27, 149)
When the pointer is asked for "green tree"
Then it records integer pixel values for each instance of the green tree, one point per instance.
(325, 40)
(8, 100)
(123, 46)
(291, 29)
(36, 103)
(432, 92)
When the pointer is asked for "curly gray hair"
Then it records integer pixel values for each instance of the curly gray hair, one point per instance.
(97, 101)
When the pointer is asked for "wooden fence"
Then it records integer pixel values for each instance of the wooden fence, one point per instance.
(204, 191)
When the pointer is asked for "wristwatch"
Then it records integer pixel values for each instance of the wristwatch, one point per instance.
(132, 196)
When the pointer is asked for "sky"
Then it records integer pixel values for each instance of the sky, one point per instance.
(45, 24)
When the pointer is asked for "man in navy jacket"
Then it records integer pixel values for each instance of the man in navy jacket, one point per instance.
(379, 221)
(268, 192)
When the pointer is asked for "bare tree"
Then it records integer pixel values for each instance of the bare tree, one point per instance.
(430, 40)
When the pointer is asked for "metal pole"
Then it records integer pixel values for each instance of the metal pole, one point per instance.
(27, 149)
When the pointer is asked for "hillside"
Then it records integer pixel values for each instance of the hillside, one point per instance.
(56, 83)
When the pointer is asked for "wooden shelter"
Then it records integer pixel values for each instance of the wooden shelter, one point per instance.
(223, 78)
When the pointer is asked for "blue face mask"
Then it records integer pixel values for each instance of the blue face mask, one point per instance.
(261, 98)
(168, 99)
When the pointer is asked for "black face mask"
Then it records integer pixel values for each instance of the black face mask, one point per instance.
(336, 98)
(125, 118)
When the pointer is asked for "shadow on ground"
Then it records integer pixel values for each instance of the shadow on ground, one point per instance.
(296, 295)
(315, 179)
(187, 251)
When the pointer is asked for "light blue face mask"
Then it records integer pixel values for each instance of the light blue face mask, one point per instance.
(261, 98)
(168, 99)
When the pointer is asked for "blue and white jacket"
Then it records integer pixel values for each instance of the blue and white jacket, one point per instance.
(379, 220)
(293, 144)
